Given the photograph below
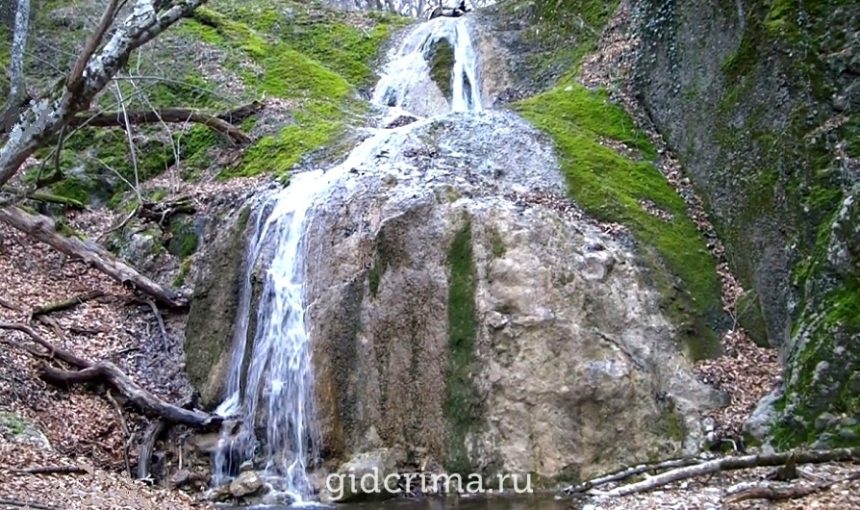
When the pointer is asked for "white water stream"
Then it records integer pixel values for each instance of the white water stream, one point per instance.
(270, 381)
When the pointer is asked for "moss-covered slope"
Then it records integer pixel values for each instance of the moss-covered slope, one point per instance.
(623, 187)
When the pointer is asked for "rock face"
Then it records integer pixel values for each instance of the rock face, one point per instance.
(463, 309)
(769, 139)
(211, 320)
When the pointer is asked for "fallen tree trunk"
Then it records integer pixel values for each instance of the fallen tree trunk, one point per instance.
(241, 113)
(43, 229)
(773, 493)
(631, 471)
(733, 463)
(167, 115)
(105, 371)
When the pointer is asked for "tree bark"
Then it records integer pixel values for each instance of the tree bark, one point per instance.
(154, 430)
(105, 371)
(168, 115)
(43, 229)
(43, 120)
(17, 84)
(732, 463)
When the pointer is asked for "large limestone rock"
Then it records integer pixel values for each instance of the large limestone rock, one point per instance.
(462, 308)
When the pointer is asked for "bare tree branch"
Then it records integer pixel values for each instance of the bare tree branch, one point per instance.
(169, 115)
(43, 119)
(732, 463)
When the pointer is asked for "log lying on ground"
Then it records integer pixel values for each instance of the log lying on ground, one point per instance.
(161, 212)
(105, 371)
(629, 472)
(241, 113)
(43, 229)
(732, 463)
(775, 493)
(167, 115)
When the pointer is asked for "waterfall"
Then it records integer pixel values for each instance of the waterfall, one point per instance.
(407, 75)
(270, 380)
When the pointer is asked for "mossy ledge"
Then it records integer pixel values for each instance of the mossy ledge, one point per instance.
(613, 187)
(462, 404)
(307, 55)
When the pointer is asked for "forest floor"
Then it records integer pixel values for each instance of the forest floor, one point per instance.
(43, 426)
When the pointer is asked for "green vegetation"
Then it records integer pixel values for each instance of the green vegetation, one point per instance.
(315, 61)
(612, 187)
(13, 423)
(463, 406)
(441, 58)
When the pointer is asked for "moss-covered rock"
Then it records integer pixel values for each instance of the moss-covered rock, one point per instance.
(209, 329)
(463, 402)
(440, 57)
(615, 187)
(758, 104)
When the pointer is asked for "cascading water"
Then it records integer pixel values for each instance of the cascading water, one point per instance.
(270, 382)
(408, 70)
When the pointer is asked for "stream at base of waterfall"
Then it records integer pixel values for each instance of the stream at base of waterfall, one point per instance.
(271, 425)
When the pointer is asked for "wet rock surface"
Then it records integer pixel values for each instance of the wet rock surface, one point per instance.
(463, 307)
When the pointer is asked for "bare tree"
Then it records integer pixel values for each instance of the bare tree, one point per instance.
(95, 67)
(40, 120)
(17, 85)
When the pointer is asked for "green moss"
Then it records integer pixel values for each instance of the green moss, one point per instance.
(498, 244)
(72, 188)
(184, 268)
(462, 406)
(612, 187)
(562, 32)
(312, 56)
(441, 59)
(183, 241)
(13, 423)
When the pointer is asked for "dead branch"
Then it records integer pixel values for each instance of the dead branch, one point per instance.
(241, 113)
(169, 115)
(25, 504)
(57, 199)
(42, 119)
(43, 229)
(75, 79)
(107, 372)
(68, 303)
(775, 493)
(10, 306)
(124, 425)
(165, 340)
(623, 474)
(733, 463)
(50, 470)
(52, 351)
(153, 431)
(162, 212)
